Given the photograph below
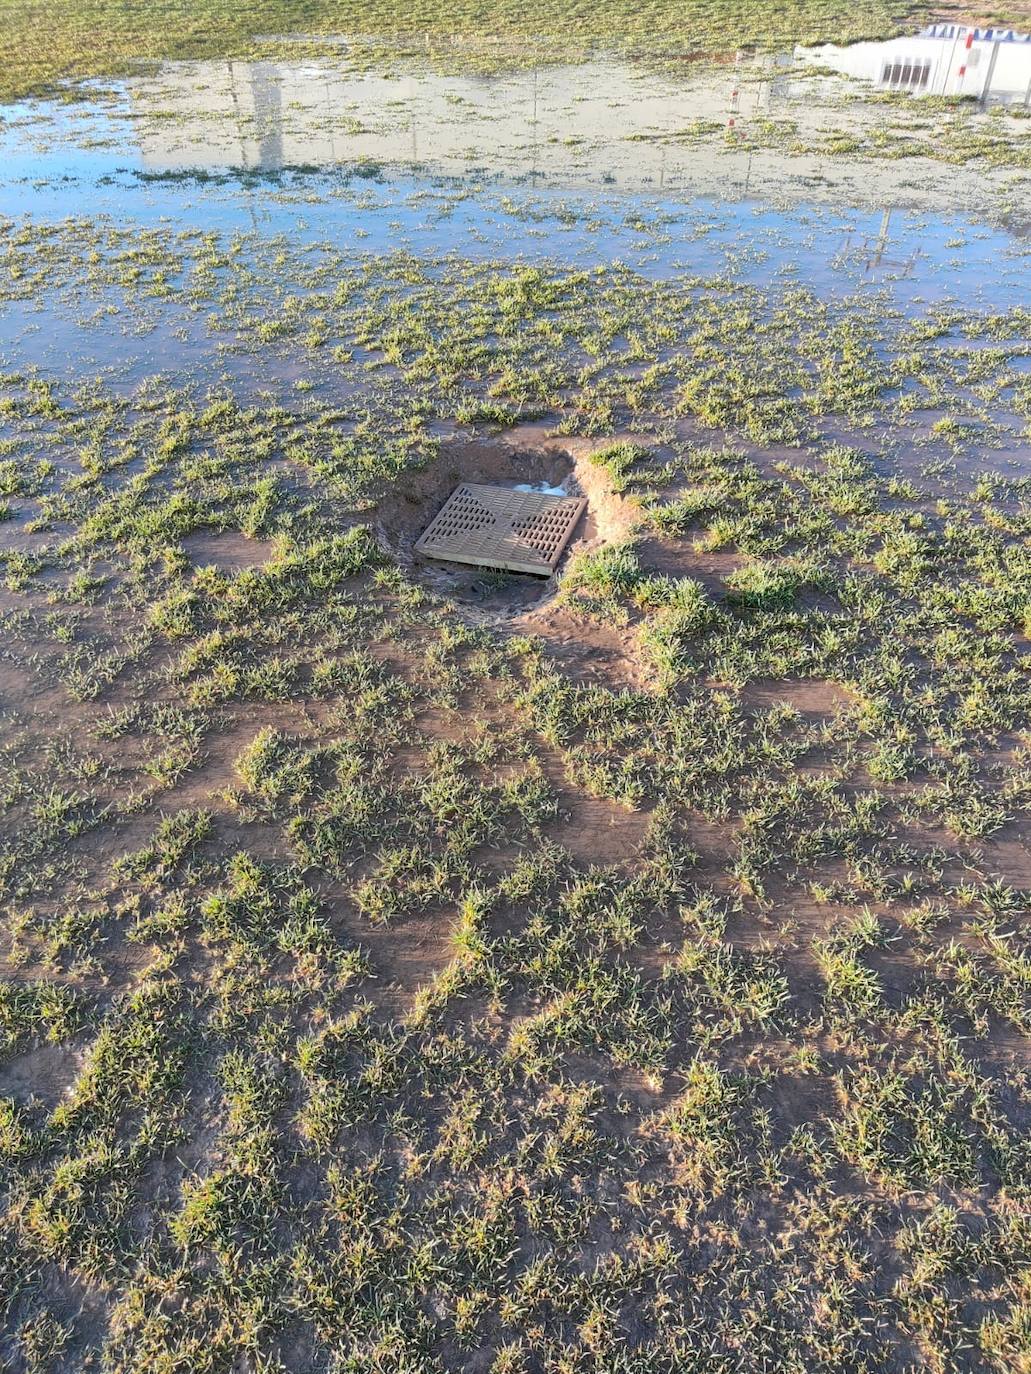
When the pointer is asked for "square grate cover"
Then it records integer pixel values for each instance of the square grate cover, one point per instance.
(496, 527)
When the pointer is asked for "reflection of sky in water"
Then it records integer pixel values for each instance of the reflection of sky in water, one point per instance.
(915, 254)
(924, 260)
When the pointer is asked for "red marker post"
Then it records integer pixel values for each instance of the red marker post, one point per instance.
(967, 46)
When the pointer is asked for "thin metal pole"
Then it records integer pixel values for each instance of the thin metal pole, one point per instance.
(952, 55)
(986, 90)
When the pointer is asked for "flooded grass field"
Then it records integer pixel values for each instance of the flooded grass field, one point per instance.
(416, 966)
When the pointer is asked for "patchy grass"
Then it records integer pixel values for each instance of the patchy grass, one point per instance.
(319, 1049)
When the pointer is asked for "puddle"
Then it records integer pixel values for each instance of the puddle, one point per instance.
(541, 488)
(602, 161)
(677, 174)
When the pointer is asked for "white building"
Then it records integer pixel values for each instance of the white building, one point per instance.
(989, 65)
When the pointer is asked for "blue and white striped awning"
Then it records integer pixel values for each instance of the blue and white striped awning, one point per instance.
(980, 35)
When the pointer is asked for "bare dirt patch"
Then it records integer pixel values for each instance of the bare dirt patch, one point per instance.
(228, 550)
(20, 690)
(680, 558)
(814, 698)
(587, 650)
(1006, 858)
(638, 1092)
(46, 1072)
(404, 956)
(598, 831)
(17, 537)
(207, 781)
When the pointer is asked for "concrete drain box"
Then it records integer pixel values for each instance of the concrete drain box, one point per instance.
(499, 527)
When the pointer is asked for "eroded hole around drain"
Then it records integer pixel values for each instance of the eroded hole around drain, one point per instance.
(404, 516)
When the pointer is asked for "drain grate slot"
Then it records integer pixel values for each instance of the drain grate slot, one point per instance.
(496, 527)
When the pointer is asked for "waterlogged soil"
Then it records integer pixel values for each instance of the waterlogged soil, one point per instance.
(413, 968)
(713, 172)
(595, 161)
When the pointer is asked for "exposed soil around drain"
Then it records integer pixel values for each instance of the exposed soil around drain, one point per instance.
(589, 651)
(528, 456)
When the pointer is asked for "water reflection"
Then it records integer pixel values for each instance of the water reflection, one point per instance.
(597, 122)
(601, 121)
(757, 130)
(767, 126)
(581, 164)
(891, 251)
(991, 66)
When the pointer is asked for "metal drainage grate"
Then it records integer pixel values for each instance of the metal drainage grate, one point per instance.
(496, 527)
